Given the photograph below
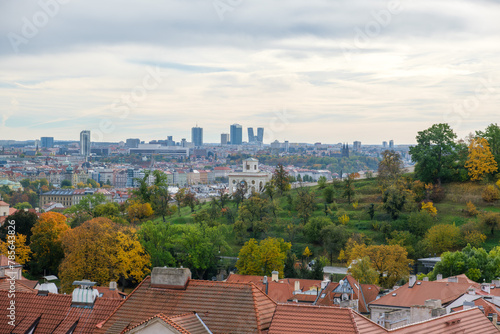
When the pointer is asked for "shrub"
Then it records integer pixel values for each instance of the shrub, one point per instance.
(471, 210)
(491, 194)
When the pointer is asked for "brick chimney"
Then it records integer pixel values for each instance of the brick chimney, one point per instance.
(275, 275)
(170, 278)
(439, 277)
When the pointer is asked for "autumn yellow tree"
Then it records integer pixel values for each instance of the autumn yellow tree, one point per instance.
(430, 208)
(363, 271)
(46, 242)
(138, 211)
(480, 161)
(263, 258)
(389, 261)
(443, 237)
(20, 249)
(102, 251)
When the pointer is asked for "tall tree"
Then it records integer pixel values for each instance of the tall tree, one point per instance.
(435, 153)
(390, 261)
(349, 190)
(159, 194)
(492, 135)
(46, 242)
(304, 204)
(24, 221)
(102, 251)
(363, 271)
(281, 180)
(159, 240)
(390, 167)
(481, 161)
(21, 252)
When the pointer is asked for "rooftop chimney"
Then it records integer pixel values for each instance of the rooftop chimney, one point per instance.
(266, 282)
(170, 278)
(413, 280)
(439, 277)
(275, 276)
(85, 295)
(297, 285)
(453, 279)
(496, 282)
(485, 287)
(325, 283)
(426, 279)
(112, 285)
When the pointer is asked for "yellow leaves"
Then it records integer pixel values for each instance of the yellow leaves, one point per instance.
(471, 209)
(429, 207)
(355, 205)
(342, 256)
(480, 161)
(344, 219)
(442, 238)
(101, 251)
(490, 194)
(138, 211)
(307, 253)
(22, 251)
(263, 258)
(474, 238)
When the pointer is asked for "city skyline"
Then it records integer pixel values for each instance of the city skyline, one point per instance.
(305, 71)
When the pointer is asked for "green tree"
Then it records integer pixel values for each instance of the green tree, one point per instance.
(322, 182)
(23, 205)
(363, 271)
(65, 184)
(442, 237)
(280, 179)
(25, 220)
(304, 204)
(159, 240)
(313, 229)
(46, 242)
(490, 221)
(396, 199)
(263, 258)
(329, 194)
(334, 238)
(349, 190)
(159, 194)
(435, 153)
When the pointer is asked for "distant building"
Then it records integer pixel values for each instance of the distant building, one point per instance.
(132, 142)
(345, 151)
(391, 144)
(197, 136)
(224, 138)
(251, 136)
(252, 179)
(260, 135)
(384, 144)
(236, 134)
(160, 149)
(356, 146)
(47, 142)
(85, 143)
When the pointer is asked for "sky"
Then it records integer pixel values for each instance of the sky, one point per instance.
(307, 71)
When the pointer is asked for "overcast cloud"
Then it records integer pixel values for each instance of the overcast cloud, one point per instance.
(307, 71)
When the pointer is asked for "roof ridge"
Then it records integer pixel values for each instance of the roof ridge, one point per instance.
(254, 297)
(428, 320)
(101, 324)
(353, 321)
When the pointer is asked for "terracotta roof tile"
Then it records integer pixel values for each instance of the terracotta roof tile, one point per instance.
(19, 284)
(471, 321)
(187, 323)
(419, 293)
(301, 319)
(224, 307)
(55, 313)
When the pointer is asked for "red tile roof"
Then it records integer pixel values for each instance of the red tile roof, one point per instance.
(20, 285)
(419, 293)
(471, 321)
(461, 279)
(224, 307)
(308, 319)
(54, 312)
(187, 323)
(488, 307)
